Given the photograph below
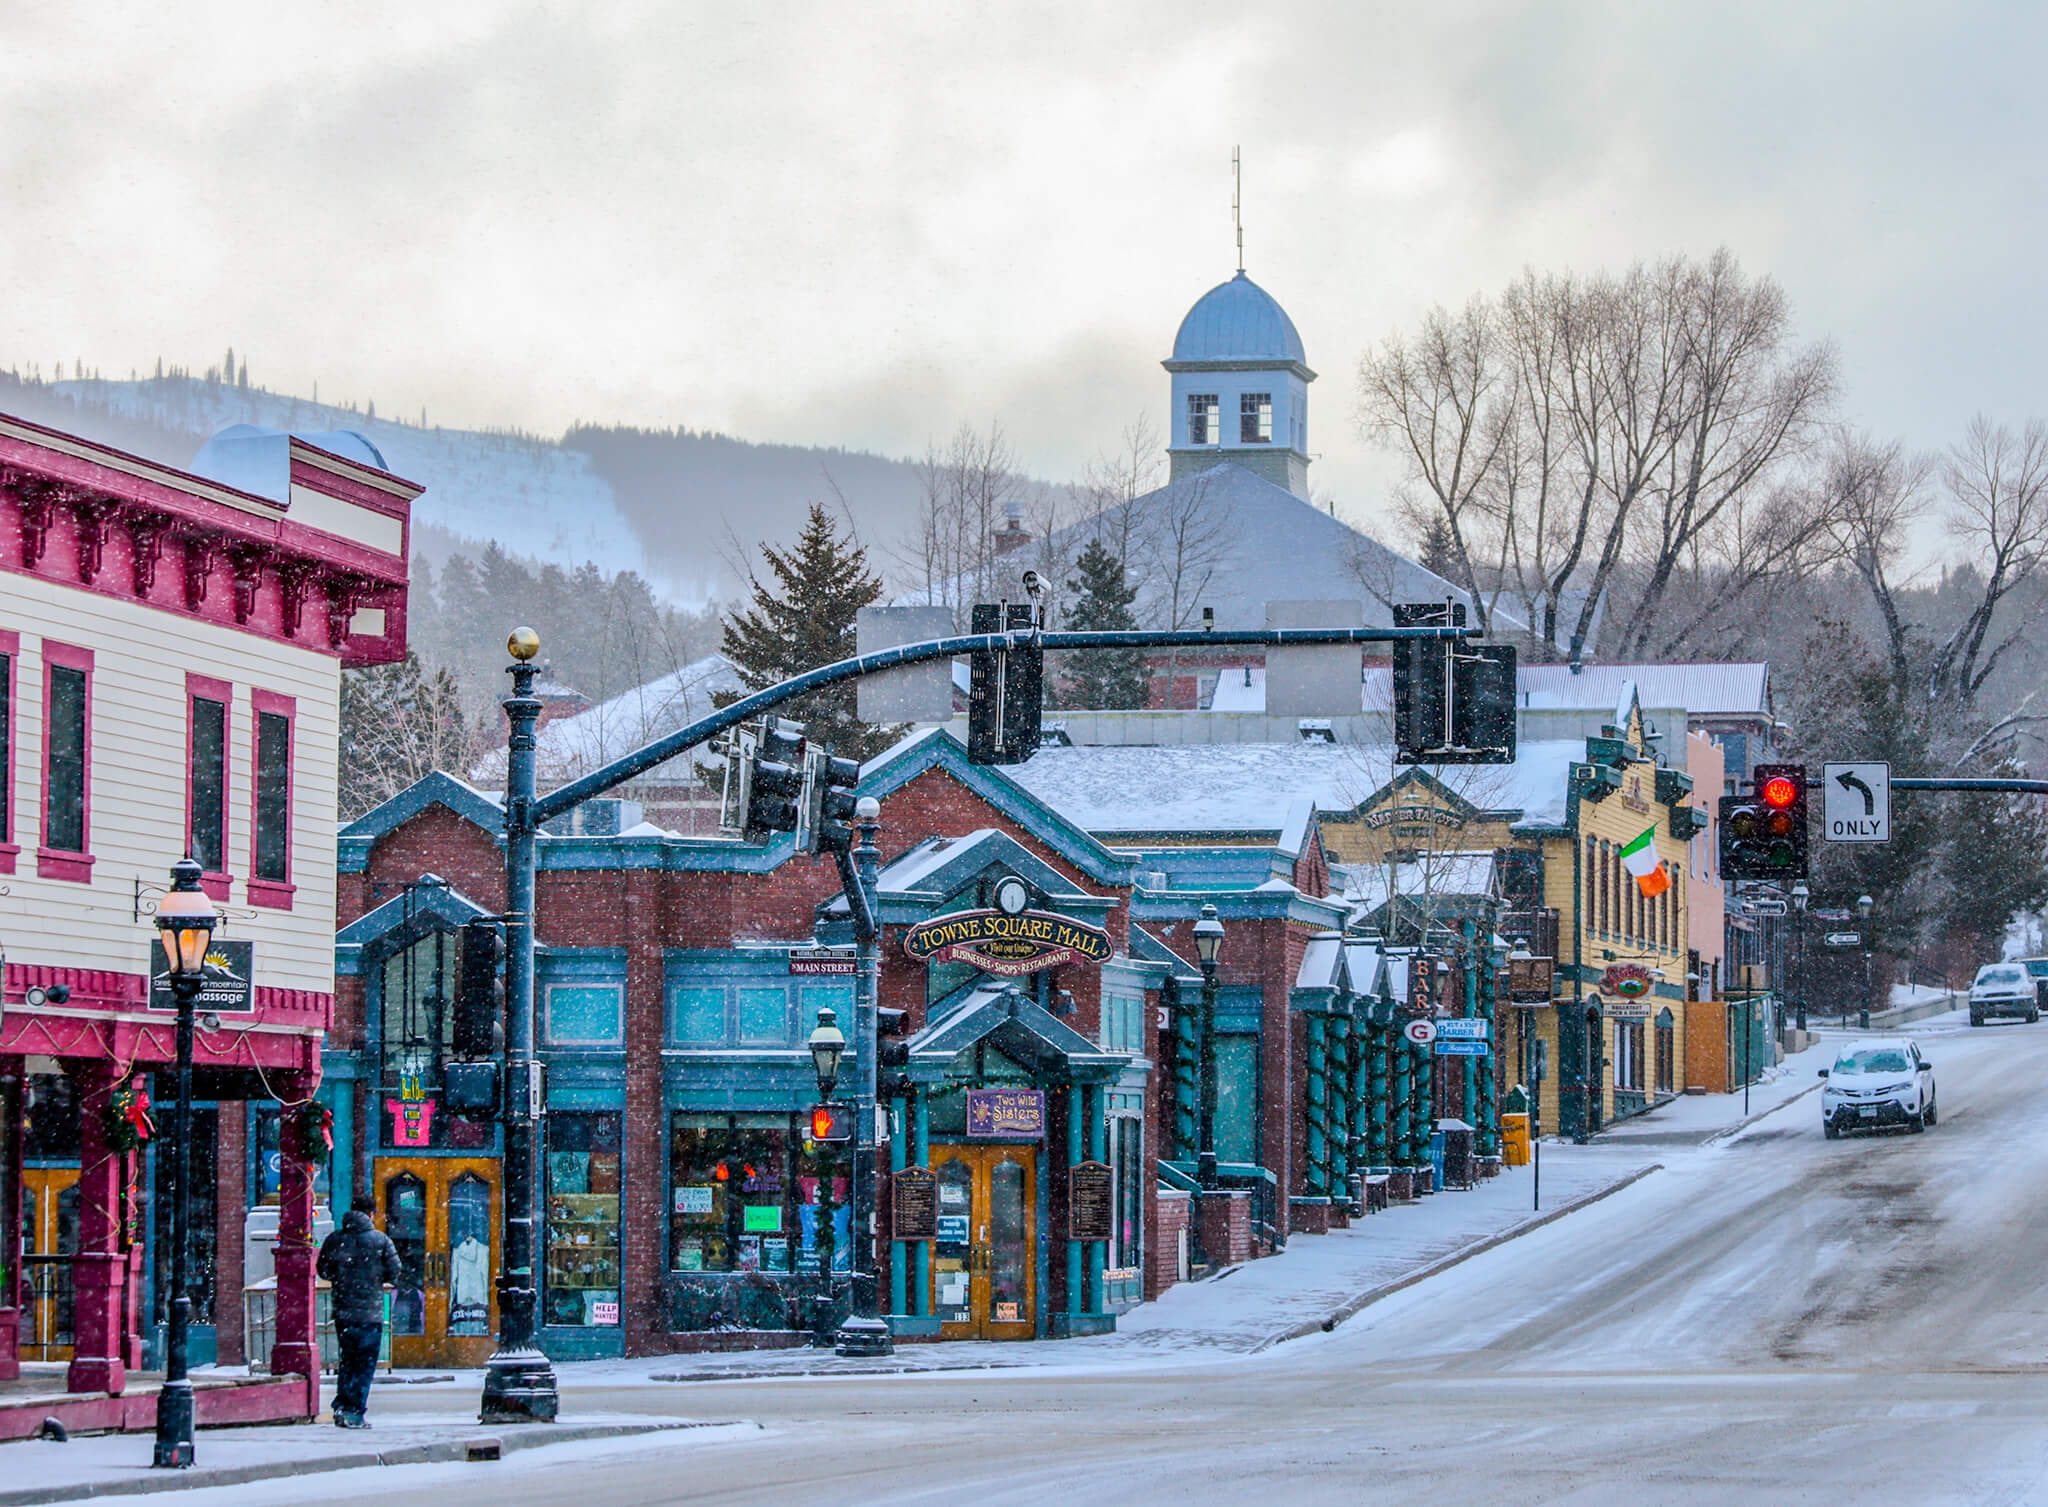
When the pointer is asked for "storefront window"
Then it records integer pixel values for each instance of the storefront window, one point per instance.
(744, 1193)
(1237, 1099)
(582, 1284)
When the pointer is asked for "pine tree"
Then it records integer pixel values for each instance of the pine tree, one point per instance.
(805, 621)
(1102, 595)
(1437, 555)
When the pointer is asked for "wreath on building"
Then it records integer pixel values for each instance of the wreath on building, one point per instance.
(315, 1127)
(128, 1124)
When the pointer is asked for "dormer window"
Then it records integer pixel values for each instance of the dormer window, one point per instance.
(1205, 419)
(1255, 419)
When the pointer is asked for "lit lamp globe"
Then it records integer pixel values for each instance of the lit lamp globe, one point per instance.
(522, 644)
(185, 920)
(828, 1045)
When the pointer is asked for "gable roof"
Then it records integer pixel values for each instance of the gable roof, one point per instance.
(566, 748)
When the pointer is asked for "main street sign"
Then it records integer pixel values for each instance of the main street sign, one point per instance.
(1006, 945)
(1856, 802)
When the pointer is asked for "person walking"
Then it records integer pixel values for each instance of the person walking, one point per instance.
(358, 1261)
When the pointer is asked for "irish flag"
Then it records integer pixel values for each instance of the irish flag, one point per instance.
(1640, 859)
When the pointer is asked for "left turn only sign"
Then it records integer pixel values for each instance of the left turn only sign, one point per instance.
(1856, 802)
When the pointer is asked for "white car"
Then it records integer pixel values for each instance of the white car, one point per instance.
(1877, 1083)
(2003, 989)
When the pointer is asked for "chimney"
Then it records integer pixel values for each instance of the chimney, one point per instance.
(1012, 536)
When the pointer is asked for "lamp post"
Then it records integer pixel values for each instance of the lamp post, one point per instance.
(1863, 908)
(185, 920)
(1208, 952)
(1801, 896)
(828, 1045)
(519, 1383)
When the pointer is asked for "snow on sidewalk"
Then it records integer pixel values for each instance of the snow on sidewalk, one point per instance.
(1240, 1310)
(1691, 1118)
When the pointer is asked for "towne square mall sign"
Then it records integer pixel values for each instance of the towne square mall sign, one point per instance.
(1009, 945)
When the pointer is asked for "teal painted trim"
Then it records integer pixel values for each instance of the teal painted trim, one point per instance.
(1179, 1176)
(1316, 1175)
(436, 789)
(899, 1250)
(585, 1096)
(1240, 1009)
(583, 1342)
(1280, 903)
(431, 904)
(1097, 1253)
(562, 965)
(921, 1151)
(1313, 1001)
(1077, 1113)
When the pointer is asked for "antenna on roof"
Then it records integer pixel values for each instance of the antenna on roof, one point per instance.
(1237, 203)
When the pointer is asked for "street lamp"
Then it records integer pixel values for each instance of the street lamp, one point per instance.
(828, 1045)
(1863, 907)
(1208, 952)
(1800, 896)
(185, 920)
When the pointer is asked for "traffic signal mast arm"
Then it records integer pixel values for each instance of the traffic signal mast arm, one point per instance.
(2004, 787)
(661, 750)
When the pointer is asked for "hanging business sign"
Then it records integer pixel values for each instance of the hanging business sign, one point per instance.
(1006, 945)
(1531, 980)
(227, 988)
(1421, 1032)
(1629, 980)
(1006, 1114)
(1463, 1028)
(1434, 816)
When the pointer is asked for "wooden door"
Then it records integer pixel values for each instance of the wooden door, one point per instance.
(442, 1214)
(985, 1262)
(49, 1239)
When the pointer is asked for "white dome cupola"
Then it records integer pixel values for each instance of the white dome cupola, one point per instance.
(1240, 387)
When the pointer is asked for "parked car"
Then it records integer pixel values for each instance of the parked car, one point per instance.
(1878, 1083)
(2037, 970)
(2003, 989)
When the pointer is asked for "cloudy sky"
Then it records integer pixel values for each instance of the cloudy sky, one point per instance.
(866, 224)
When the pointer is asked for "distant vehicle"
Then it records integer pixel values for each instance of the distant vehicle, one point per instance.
(2037, 970)
(2004, 989)
(1878, 1083)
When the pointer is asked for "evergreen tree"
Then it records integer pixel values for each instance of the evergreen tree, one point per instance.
(804, 621)
(1102, 595)
(1437, 556)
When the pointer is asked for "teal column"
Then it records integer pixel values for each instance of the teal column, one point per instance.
(1317, 1179)
(1340, 1104)
(1487, 1141)
(1425, 1102)
(1187, 1053)
(1403, 1129)
(1097, 1254)
(899, 1250)
(1469, 1111)
(1378, 1100)
(1077, 1115)
(921, 1155)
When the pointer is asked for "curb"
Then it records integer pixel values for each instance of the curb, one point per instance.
(1353, 1306)
(1728, 1132)
(438, 1452)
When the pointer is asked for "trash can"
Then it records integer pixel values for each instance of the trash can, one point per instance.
(1514, 1140)
(1454, 1167)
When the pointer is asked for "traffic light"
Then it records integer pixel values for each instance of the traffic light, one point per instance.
(829, 801)
(1005, 688)
(479, 995)
(774, 781)
(831, 1123)
(1454, 701)
(1763, 833)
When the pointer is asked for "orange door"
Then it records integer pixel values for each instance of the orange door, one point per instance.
(985, 1261)
(49, 1239)
(442, 1214)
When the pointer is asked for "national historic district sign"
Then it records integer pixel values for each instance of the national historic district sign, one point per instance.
(1010, 946)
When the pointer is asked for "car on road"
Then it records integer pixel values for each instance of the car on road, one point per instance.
(2037, 970)
(2003, 989)
(1878, 1083)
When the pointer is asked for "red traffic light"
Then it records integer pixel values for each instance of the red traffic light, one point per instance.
(1779, 792)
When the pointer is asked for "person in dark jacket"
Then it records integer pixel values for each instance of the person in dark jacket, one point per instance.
(358, 1261)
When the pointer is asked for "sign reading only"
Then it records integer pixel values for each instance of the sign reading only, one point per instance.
(1856, 802)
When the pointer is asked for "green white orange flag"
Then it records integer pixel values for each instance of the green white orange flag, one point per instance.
(1640, 859)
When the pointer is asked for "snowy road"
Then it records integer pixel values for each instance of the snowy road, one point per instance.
(1776, 1319)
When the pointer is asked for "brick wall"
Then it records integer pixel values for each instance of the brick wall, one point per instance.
(1162, 1254)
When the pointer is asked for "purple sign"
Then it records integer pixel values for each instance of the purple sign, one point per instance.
(1012, 1114)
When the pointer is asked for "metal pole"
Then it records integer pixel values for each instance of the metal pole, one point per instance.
(519, 1383)
(865, 1332)
(174, 1403)
(1205, 1150)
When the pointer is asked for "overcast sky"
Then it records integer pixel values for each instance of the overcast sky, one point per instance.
(865, 224)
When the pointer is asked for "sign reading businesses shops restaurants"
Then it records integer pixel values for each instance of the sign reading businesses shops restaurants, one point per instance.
(227, 988)
(1006, 1114)
(1009, 946)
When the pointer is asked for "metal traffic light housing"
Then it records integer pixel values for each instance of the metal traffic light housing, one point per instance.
(829, 802)
(1005, 687)
(831, 1124)
(1454, 701)
(773, 781)
(1763, 833)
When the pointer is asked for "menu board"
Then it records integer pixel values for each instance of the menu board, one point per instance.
(1090, 1213)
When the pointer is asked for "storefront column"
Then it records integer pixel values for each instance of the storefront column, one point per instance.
(899, 1250)
(1403, 1130)
(1487, 1141)
(105, 1344)
(1469, 1108)
(10, 1218)
(1187, 1077)
(1379, 1158)
(296, 1349)
(1096, 1256)
(1077, 1114)
(1425, 1103)
(1342, 1106)
(921, 1155)
(1316, 1176)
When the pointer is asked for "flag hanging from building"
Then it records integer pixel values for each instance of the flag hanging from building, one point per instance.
(1640, 859)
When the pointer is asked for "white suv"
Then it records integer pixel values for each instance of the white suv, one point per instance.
(1878, 1083)
(2003, 989)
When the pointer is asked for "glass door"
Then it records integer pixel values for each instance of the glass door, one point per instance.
(985, 1261)
(49, 1239)
(442, 1214)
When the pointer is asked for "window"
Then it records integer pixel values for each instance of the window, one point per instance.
(586, 1015)
(270, 824)
(582, 1271)
(744, 1194)
(1237, 1099)
(415, 989)
(751, 1014)
(1628, 1056)
(10, 651)
(1255, 419)
(1666, 1052)
(764, 1015)
(1205, 422)
(67, 763)
(206, 779)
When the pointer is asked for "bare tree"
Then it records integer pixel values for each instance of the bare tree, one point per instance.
(1997, 508)
(967, 490)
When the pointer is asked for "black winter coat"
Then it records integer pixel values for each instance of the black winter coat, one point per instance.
(356, 1262)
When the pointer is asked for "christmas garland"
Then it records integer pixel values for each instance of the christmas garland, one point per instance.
(316, 1132)
(128, 1124)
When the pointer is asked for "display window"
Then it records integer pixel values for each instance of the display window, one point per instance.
(583, 1174)
(745, 1193)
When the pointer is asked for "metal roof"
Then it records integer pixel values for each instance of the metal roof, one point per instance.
(1238, 321)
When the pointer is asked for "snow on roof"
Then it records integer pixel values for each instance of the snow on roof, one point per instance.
(1319, 962)
(1253, 788)
(1364, 885)
(1702, 690)
(569, 747)
(1238, 321)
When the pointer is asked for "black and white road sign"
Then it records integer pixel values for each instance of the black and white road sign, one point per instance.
(1856, 802)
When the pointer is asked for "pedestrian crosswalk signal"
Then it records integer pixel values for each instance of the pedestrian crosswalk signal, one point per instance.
(831, 1123)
